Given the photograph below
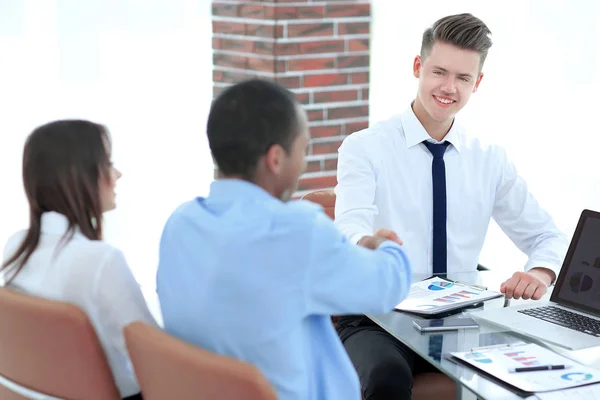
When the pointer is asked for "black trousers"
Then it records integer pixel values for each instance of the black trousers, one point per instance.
(385, 366)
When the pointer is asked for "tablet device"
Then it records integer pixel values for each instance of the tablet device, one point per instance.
(433, 325)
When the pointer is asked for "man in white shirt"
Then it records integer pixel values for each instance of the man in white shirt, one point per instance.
(421, 176)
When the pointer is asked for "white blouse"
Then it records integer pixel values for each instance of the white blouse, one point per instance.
(92, 275)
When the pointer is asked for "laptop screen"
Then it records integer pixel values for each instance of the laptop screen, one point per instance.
(578, 284)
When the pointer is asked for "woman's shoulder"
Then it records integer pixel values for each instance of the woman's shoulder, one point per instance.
(13, 243)
(94, 251)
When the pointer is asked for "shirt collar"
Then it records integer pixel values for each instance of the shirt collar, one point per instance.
(233, 189)
(415, 133)
(54, 223)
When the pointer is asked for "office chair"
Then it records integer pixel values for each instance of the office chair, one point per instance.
(168, 368)
(50, 348)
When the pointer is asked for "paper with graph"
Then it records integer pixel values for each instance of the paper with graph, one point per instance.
(499, 360)
(437, 295)
(590, 392)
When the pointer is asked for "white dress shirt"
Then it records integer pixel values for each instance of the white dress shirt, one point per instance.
(384, 181)
(92, 275)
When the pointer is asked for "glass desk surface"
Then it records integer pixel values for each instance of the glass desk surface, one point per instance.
(434, 346)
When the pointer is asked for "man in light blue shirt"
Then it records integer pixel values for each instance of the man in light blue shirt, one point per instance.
(245, 273)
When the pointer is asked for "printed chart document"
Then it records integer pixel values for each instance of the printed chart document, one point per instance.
(590, 392)
(436, 295)
(500, 360)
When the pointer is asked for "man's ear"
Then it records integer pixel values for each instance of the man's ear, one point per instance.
(274, 158)
(417, 67)
(477, 82)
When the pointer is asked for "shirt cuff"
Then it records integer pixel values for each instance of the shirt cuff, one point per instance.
(543, 264)
(357, 236)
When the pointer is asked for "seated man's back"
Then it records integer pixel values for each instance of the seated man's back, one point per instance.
(245, 274)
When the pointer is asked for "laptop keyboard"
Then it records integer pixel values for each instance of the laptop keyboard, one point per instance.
(565, 318)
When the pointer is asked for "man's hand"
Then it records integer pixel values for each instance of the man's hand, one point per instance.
(528, 285)
(373, 242)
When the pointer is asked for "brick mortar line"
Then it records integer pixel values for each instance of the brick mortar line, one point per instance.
(321, 157)
(341, 20)
(273, 4)
(330, 122)
(291, 57)
(268, 21)
(244, 71)
(328, 139)
(319, 174)
(303, 39)
(288, 74)
(336, 104)
(317, 89)
(323, 71)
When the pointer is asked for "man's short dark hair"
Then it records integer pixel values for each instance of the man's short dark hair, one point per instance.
(245, 120)
(462, 30)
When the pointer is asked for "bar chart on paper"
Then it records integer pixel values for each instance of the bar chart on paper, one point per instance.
(440, 285)
(436, 295)
(500, 360)
(522, 358)
(453, 298)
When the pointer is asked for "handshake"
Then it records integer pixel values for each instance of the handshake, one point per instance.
(373, 242)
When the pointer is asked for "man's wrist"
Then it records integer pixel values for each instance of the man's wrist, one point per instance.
(546, 275)
(357, 237)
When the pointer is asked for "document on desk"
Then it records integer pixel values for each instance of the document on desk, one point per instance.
(498, 361)
(590, 392)
(436, 295)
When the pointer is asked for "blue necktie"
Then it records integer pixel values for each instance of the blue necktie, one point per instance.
(438, 175)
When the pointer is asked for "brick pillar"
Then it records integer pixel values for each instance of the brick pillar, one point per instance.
(318, 49)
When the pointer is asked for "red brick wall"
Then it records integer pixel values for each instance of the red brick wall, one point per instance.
(317, 49)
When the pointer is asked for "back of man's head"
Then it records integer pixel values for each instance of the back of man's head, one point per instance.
(464, 31)
(245, 120)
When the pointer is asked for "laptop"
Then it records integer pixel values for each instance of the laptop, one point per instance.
(571, 319)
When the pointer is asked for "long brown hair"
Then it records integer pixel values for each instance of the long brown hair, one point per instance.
(63, 162)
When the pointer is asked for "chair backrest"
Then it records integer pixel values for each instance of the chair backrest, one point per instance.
(168, 368)
(50, 347)
(326, 198)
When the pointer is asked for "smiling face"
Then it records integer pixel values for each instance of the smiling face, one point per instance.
(448, 76)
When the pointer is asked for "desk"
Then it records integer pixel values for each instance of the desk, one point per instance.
(433, 346)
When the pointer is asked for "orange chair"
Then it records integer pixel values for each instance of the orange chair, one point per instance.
(325, 198)
(50, 347)
(425, 386)
(168, 368)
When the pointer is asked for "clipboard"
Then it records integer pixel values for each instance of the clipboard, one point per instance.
(436, 296)
(497, 361)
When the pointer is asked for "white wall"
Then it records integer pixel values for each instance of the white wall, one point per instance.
(143, 68)
(538, 99)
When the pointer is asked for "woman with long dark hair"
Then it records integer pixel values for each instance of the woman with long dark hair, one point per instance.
(69, 181)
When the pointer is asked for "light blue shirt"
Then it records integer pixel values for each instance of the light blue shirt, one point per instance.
(248, 276)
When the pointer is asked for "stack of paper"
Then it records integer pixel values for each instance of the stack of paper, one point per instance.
(437, 295)
(498, 361)
(590, 392)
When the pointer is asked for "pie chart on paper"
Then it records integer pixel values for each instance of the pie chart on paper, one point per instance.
(577, 377)
(439, 285)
